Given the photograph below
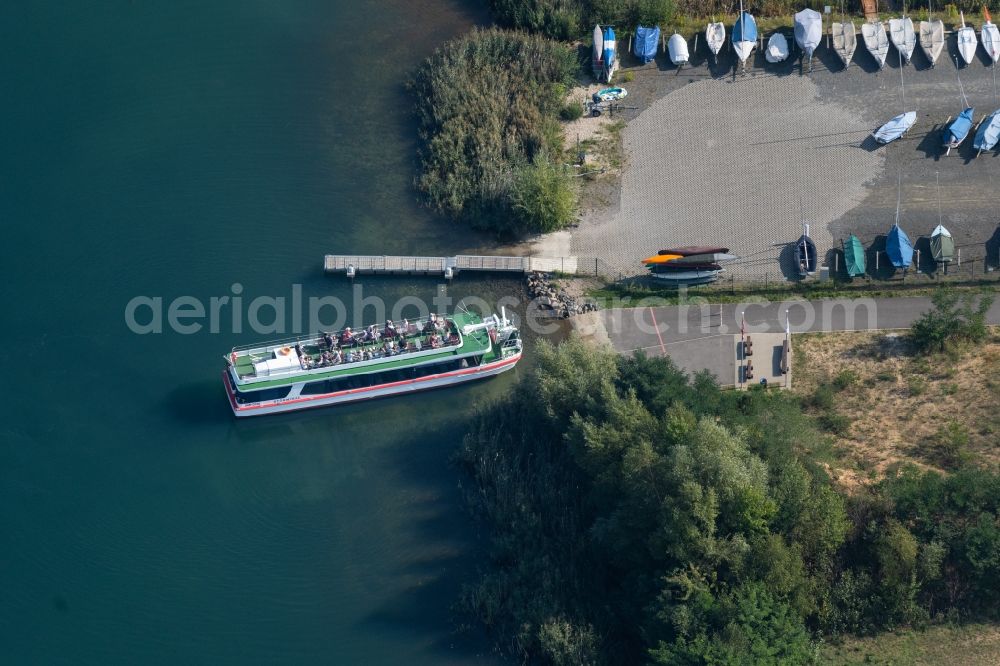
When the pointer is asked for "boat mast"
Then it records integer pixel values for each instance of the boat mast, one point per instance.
(899, 193)
(937, 175)
(902, 83)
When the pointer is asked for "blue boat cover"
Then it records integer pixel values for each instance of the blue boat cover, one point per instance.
(896, 127)
(899, 248)
(646, 42)
(959, 128)
(745, 29)
(989, 132)
(609, 47)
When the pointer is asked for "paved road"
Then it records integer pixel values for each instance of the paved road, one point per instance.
(653, 328)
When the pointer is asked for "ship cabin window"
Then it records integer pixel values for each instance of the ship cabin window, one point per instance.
(264, 395)
(322, 387)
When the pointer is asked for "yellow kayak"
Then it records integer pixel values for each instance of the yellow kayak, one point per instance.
(660, 259)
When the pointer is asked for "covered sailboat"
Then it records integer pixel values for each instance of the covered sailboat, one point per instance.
(876, 41)
(854, 257)
(932, 37)
(955, 133)
(942, 245)
(677, 47)
(967, 41)
(895, 128)
(610, 48)
(902, 35)
(777, 48)
(647, 40)
(898, 247)
(845, 38)
(597, 56)
(988, 133)
(715, 37)
(744, 35)
(990, 36)
(808, 31)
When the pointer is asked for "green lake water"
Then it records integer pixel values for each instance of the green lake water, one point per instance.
(173, 149)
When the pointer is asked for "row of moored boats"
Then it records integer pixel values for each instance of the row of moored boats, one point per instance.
(808, 33)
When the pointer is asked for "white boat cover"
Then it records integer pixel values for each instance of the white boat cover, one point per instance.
(990, 36)
(967, 42)
(677, 47)
(715, 35)
(932, 39)
(808, 30)
(896, 127)
(876, 41)
(903, 37)
(777, 48)
(845, 41)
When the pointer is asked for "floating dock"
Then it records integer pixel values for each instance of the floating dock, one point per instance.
(449, 267)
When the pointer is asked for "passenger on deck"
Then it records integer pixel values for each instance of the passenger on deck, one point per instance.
(390, 329)
(408, 328)
(338, 358)
(430, 326)
(349, 357)
(346, 338)
(328, 339)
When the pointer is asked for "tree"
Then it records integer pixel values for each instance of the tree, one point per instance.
(954, 317)
(543, 196)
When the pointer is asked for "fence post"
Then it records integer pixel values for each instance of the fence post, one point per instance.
(595, 267)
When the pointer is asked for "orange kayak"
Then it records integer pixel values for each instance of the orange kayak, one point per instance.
(660, 258)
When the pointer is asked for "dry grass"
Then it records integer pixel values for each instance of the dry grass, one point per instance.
(898, 403)
(971, 645)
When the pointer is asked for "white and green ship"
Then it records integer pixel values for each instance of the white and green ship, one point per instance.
(399, 357)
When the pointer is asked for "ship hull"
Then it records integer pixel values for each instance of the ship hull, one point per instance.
(301, 402)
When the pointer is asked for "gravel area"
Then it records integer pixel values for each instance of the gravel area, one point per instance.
(717, 158)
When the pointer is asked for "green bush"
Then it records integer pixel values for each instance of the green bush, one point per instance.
(488, 104)
(544, 196)
(845, 379)
(572, 111)
(916, 385)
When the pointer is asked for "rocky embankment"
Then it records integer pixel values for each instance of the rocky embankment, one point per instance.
(554, 298)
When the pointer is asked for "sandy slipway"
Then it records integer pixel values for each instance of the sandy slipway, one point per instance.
(741, 161)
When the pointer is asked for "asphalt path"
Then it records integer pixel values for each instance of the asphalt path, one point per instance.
(656, 327)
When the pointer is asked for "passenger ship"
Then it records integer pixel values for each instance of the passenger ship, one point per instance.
(335, 368)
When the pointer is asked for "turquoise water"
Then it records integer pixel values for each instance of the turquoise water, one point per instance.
(176, 148)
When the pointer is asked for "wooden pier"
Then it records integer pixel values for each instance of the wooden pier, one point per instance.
(449, 267)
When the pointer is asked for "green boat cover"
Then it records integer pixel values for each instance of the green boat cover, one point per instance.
(942, 245)
(854, 256)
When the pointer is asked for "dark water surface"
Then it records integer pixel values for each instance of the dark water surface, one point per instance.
(176, 148)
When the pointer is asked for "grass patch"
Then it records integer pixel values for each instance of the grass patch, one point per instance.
(971, 645)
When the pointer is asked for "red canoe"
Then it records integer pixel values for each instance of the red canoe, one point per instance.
(688, 250)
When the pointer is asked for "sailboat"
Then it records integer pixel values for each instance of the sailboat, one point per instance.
(897, 243)
(715, 37)
(646, 42)
(990, 37)
(744, 35)
(805, 253)
(854, 257)
(677, 47)
(942, 244)
(902, 123)
(955, 133)
(808, 32)
(777, 48)
(610, 54)
(597, 56)
(873, 33)
(845, 38)
(988, 134)
(931, 37)
(903, 37)
(966, 41)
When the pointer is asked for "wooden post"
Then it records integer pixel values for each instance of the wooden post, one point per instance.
(836, 264)
(918, 261)
(595, 266)
(960, 257)
(876, 260)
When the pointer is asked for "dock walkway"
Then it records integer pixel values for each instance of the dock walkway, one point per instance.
(449, 267)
